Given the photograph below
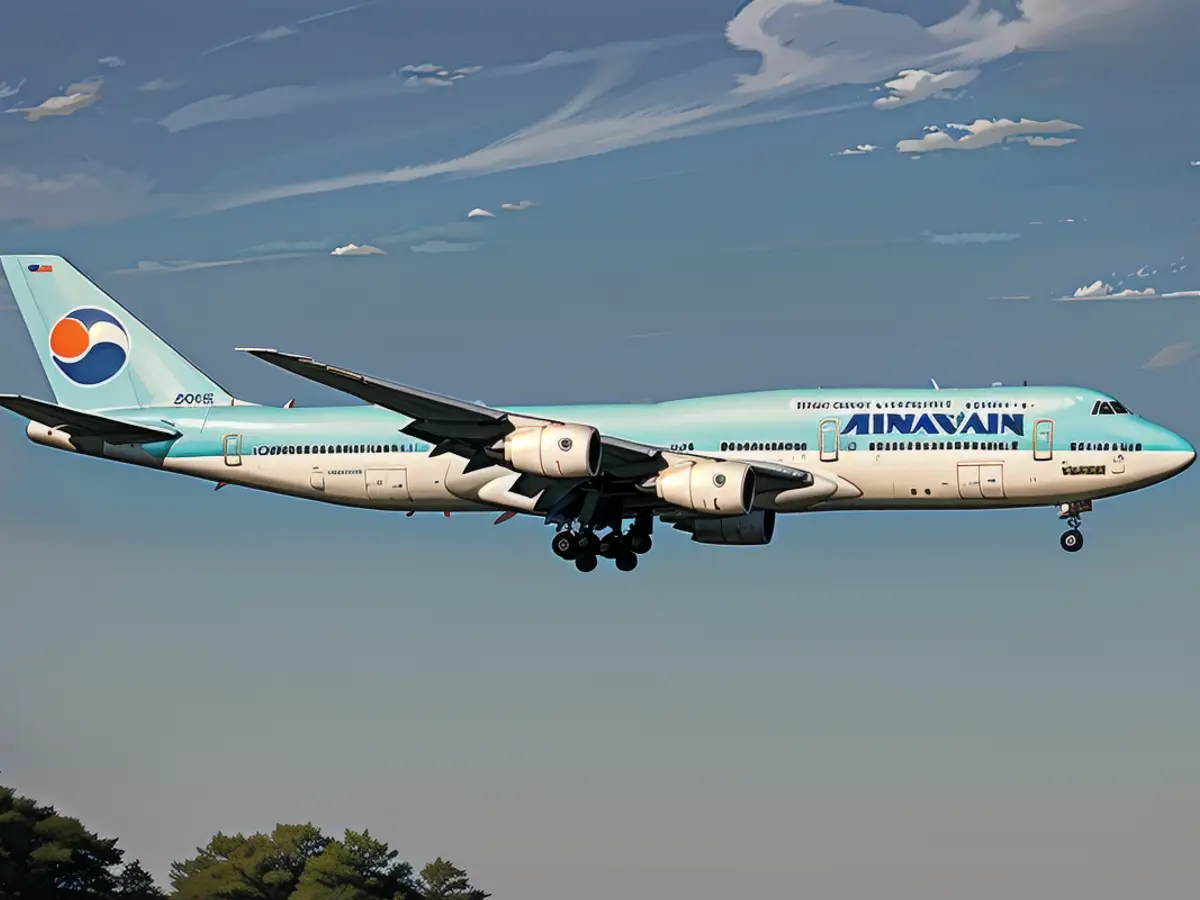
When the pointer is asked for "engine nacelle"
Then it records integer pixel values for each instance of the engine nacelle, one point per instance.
(713, 488)
(554, 451)
(750, 530)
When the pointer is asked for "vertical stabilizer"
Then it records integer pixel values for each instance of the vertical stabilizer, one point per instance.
(95, 353)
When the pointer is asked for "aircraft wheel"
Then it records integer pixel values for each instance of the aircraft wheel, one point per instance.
(585, 562)
(640, 543)
(1072, 541)
(627, 561)
(564, 545)
(586, 542)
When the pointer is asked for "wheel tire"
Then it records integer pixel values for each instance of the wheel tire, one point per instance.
(1072, 541)
(627, 561)
(564, 545)
(587, 542)
(640, 543)
(585, 562)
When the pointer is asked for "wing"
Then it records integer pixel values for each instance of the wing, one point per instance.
(467, 429)
(83, 424)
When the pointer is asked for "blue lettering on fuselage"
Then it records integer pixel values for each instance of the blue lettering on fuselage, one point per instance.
(935, 423)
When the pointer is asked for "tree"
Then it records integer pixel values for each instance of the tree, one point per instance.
(44, 854)
(358, 867)
(445, 881)
(257, 867)
(135, 883)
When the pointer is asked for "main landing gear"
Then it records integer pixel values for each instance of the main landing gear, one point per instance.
(585, 548)
(1072, 538)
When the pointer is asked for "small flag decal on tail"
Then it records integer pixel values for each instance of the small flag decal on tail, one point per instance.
(41, 267)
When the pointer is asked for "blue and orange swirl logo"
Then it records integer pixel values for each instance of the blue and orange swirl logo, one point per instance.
(89, 346)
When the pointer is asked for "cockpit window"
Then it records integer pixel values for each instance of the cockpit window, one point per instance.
(1109, 408)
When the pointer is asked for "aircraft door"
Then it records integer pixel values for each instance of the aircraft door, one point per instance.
(1118, 461)
(1043, 440)
(830, 432)
(233, 449)
(991, 481)
(969, 487)
(388, 485)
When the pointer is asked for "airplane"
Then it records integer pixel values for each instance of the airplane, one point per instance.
(720, 468)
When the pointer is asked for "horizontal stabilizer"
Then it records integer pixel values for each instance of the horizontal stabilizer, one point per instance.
(83, 424)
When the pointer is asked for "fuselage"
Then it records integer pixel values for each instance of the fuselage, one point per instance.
(885, 449)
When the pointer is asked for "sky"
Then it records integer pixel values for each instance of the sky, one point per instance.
(701, 198)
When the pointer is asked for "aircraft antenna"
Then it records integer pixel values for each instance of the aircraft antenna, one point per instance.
(935, 384)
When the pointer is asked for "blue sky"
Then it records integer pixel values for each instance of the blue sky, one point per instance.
(894, 706)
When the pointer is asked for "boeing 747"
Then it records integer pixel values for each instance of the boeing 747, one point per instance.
(718, 468)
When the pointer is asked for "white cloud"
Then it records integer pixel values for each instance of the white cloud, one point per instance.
(1194, 162)
(76, 97)
(980, 133)
(1038, 141)
(150, 267)
(860, 150)
(275, 34)
(517, 207)
(1099, 290)
(478, 213)
(6, 91)
(356, 250)
(433, 75)
(85, 195)
(111, 62)
(442, 247)
(1172, 355)
(159, 84)
(972, 237)
(915, 85)
(329, 15)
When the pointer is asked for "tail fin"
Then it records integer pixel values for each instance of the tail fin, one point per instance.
(96, 354)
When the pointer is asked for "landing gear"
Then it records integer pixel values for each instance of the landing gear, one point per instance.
(1072, 538)
(585, 548)
(1072, 541)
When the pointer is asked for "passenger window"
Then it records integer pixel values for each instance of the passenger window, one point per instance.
(1137, 447)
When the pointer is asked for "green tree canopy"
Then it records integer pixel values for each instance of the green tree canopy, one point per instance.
(358, 867)
(445, 881)
(255, 867)
(47, 855)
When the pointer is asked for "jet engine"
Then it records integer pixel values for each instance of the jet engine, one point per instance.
(714, 488)
(554, 451)
(753, 529)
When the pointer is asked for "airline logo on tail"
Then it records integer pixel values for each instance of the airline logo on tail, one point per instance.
(89, 346)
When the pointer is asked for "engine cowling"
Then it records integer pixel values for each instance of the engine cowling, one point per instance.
(713, 488)
(554, 451)
(754, 529)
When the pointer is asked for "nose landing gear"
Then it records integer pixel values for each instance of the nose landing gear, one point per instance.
(1072, 538)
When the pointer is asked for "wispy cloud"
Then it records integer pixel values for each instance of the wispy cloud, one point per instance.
(443, 247)
(1172, 355)
(981, 133)
(357, 250)
(860, 150)
(6, 91)
(801, 45)
(915, 85)
(150, 267)
(971, 237)
(1100, 290)
(519, 206)
(155, 85)
(279, 31)
(76, 97)
(433, 75)
(478, 213)
(111, 62)
(85, 195)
